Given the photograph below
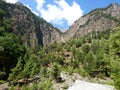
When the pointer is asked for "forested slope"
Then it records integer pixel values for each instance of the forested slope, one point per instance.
(94, 55)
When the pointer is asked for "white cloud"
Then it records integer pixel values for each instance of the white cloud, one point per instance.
(40, 4)
(59, 12)
(11, 1)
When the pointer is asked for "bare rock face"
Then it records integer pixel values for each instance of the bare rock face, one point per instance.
(98, 20)
(34, 30)
(114, 10)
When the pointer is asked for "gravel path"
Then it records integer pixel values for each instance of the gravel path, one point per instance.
(76, 82)
(83, 85)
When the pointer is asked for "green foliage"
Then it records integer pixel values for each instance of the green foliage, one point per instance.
(1, 13)
(2, 81)
(43, 71)
(2, 30)
(34, 87)
(30, 68)
(46, 85)
(25, 88)
(7, 25)
(16, 72)
(116, 74)
(79, 42)
(90, 63)
(86, 48)
(2, 74)
(10, 50)
(97, 57)
(12, 87)
(70, 70)
(117, 80)
(95, 46)
(115, 56)
(65, 87)
(59, 47)
(55, 71)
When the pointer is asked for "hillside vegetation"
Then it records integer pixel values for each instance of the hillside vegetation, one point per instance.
(94, 55)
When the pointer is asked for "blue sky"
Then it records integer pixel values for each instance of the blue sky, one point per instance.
(63, 13)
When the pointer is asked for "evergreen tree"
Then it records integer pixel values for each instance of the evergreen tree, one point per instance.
(115, 56)
(17, 71)
(90, 63)
(55, 71)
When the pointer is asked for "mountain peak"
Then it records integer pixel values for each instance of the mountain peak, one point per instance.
(19, 3)
(114, 4)
(100, 19)
(114, 10)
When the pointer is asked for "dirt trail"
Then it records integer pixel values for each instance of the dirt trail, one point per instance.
(83, 85)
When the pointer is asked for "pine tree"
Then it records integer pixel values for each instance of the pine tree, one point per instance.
(55, 71)
(17, 71)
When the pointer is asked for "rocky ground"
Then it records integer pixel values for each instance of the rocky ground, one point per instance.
(76, 82)
(4, 86)
(83, 85)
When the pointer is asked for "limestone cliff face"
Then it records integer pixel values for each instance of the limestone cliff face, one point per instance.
(34, 30)
(97, 20)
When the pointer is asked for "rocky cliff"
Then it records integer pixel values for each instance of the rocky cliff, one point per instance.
(97, 20)
(34, 30)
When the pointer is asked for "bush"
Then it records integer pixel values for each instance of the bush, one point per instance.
(47, 85)
(117, 83)
(86, 48)
(12, 88)
(55, 71)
